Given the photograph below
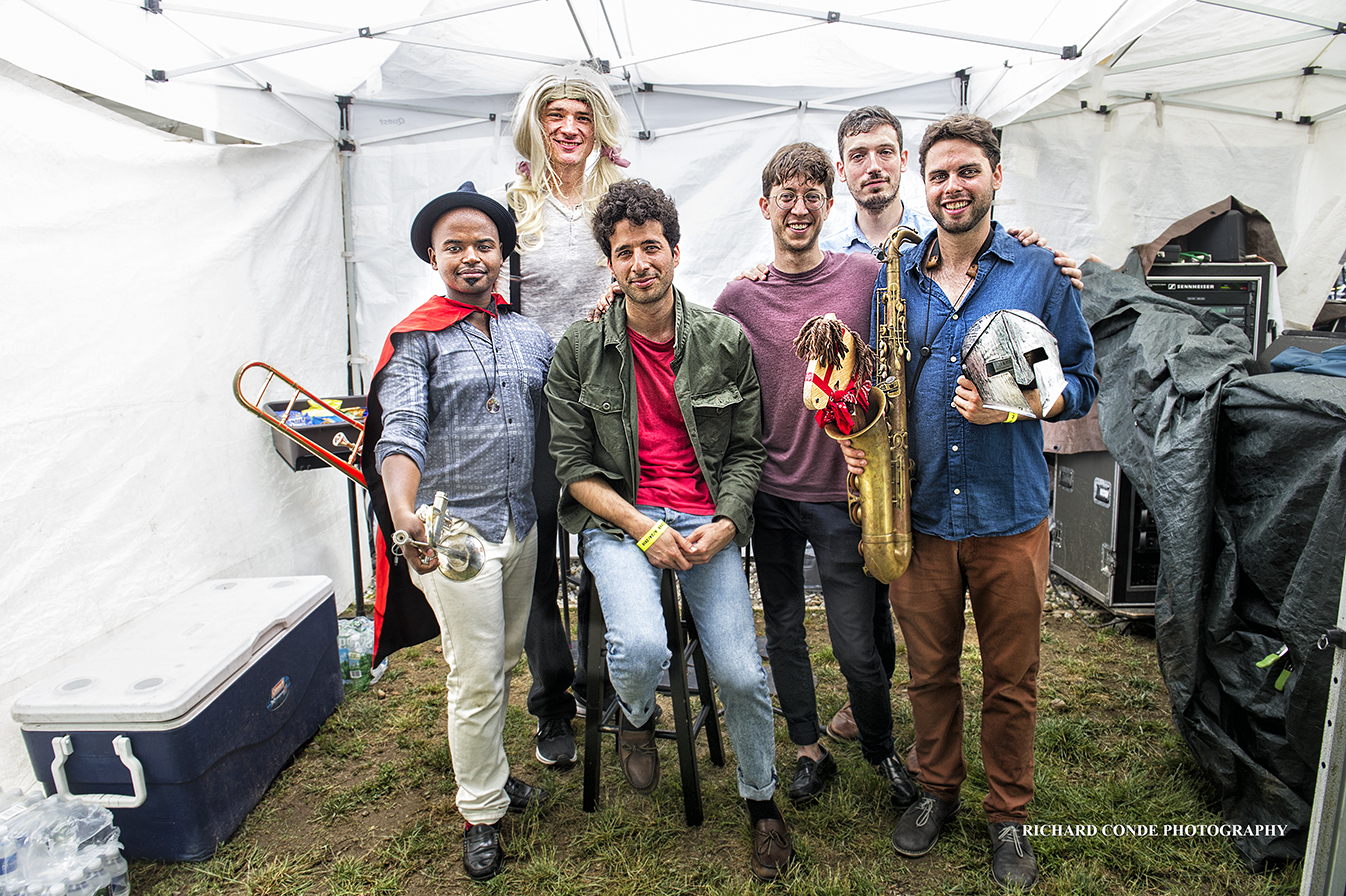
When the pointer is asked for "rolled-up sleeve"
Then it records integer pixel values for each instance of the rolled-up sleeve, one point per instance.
(404, 393)
(1064, 317)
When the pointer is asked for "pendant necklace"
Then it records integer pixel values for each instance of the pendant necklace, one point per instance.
(492, 403)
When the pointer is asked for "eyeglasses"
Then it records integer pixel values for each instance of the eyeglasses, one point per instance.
(786, 200)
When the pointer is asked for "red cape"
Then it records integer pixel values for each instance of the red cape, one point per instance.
(402, 617)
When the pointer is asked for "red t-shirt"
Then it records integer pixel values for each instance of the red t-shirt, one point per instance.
(669, 473)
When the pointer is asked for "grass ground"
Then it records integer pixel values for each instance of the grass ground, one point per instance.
(367, 806)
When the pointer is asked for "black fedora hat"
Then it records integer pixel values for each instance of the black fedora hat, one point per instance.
(465, 196)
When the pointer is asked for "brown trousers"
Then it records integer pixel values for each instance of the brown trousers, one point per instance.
(1006, 578)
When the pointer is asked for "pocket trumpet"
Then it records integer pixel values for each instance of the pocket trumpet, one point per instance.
(460, 552)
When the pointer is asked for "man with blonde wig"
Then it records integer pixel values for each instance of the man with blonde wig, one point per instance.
(567, 127)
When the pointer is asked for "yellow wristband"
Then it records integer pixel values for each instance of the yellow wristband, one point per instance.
(1012, 417)
(652, 536)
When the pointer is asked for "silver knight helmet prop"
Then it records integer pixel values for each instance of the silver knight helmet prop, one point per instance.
(1012, 359)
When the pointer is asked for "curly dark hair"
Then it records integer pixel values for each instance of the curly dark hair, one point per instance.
(962, 126)
(805, 160)
(635, 201)
(864, 120)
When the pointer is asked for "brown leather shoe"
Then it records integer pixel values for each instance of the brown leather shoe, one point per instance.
(639, 757)
(771, 849)
(842, 726)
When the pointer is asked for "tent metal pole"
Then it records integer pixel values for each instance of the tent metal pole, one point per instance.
(1274, 13)
(144, 70)
(474, 49)
(746, 116)
(1216, 54)
(430, 130)
(830, 17)
(1325, 853)
(345, 149)
(343, 36)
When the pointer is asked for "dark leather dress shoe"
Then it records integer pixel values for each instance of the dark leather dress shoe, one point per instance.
(523, 795)
(483, 856)
(771, 849)
(902, 790)
(810, 777)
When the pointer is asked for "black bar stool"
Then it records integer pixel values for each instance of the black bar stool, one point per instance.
(601, 715)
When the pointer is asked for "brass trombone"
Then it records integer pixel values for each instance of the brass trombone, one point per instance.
(348, 465)
(460, 552)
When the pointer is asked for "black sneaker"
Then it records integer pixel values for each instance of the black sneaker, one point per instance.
(522, 795)
(810, 777)
(555, 742)
(902, 790)
(919, 827)
(1013, 864)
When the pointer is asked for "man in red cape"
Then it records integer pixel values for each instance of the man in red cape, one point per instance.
(452, 411)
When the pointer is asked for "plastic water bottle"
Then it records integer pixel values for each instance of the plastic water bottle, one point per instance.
(118, 872)
(9, 858)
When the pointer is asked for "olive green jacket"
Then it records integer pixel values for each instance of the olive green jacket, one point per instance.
(591, 394)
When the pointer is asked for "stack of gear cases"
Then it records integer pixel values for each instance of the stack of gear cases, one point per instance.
(214, 691)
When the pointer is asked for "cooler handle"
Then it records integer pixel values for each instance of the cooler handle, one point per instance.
(62, 748)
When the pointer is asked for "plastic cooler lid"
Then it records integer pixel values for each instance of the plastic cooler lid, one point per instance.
(161, 665)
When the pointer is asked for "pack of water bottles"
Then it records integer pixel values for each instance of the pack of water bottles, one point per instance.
(58, 847)
(355, 647)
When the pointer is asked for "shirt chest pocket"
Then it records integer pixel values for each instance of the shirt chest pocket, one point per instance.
(714, 413)
(606, 408)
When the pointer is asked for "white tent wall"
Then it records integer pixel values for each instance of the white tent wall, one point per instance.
(1103, 183)
(140, 272)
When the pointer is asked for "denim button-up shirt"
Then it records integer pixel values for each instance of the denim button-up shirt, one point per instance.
(434, 391)
(985, 480)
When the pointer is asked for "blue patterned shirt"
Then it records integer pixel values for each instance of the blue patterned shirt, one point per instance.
(434, 392)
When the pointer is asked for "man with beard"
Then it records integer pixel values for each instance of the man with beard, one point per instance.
(656, 432)
(452, 410)
(979, 495)
(871, 162)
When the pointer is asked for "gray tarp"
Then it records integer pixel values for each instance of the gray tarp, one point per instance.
(1244, 475)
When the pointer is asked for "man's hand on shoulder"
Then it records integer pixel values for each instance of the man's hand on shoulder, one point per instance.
(757, 273)
(708, 540)
(1030, 237)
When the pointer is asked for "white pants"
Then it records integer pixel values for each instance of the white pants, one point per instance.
(482, 623)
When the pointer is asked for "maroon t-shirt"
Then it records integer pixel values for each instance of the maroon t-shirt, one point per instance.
(802, 462)
(669, 473)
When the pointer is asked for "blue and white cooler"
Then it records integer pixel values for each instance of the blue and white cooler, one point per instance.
(181, 720)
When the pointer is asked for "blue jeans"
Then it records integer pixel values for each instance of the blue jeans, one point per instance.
(637, 641)
(858, 619)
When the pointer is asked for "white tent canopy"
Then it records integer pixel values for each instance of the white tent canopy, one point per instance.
(136, 475)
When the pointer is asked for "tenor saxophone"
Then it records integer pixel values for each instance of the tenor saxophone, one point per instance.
(880, 498)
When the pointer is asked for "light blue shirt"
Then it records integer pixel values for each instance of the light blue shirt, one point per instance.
(852, 239)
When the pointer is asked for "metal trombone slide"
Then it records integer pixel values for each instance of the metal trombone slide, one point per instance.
(459, 552)
(348, 465)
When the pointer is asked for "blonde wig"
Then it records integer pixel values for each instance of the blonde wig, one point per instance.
(537, 177)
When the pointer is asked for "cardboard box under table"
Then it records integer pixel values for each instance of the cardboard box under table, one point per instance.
(210, 694)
